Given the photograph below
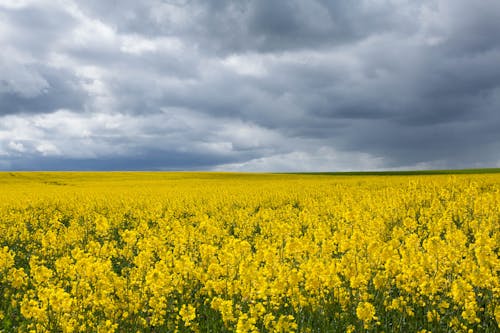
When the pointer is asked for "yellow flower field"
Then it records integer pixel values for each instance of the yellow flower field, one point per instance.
(223, 252)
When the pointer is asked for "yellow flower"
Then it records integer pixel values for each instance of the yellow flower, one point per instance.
(246, 324)
(366, 312)
(188, 314)
(6, 258)
(497, 315)
(286, 324)
(163, 251)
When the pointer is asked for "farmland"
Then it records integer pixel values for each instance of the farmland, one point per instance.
(224, 252)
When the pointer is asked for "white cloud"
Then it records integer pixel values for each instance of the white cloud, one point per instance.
(324, 159)
(245, 136)
(47, 149)
(137, 45)
(91, 33)
(251, 65)
(91, 135)
(16, 146)
(17, 4)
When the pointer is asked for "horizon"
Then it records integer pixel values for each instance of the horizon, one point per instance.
(398, 172)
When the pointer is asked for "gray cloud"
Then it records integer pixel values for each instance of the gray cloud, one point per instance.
(249, 85)
(225, 26)
(47, 89)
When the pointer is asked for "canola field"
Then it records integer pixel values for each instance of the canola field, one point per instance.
(224, 252)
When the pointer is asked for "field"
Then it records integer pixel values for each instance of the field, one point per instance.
(224, 252)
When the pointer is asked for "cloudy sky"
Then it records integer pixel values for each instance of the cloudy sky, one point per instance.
(250, 85)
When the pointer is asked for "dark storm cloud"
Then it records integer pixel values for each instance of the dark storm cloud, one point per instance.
(249, 85)
(61, 91)
(160, 160)
(226, 26)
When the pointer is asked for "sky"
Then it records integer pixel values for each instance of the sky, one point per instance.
(282, 85)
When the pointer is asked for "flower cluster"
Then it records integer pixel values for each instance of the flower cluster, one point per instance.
(198, 252)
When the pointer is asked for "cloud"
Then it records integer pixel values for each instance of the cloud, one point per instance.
(16, 146)
(323, 159)
(266, 26)
(171, 137)
(249, 85)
